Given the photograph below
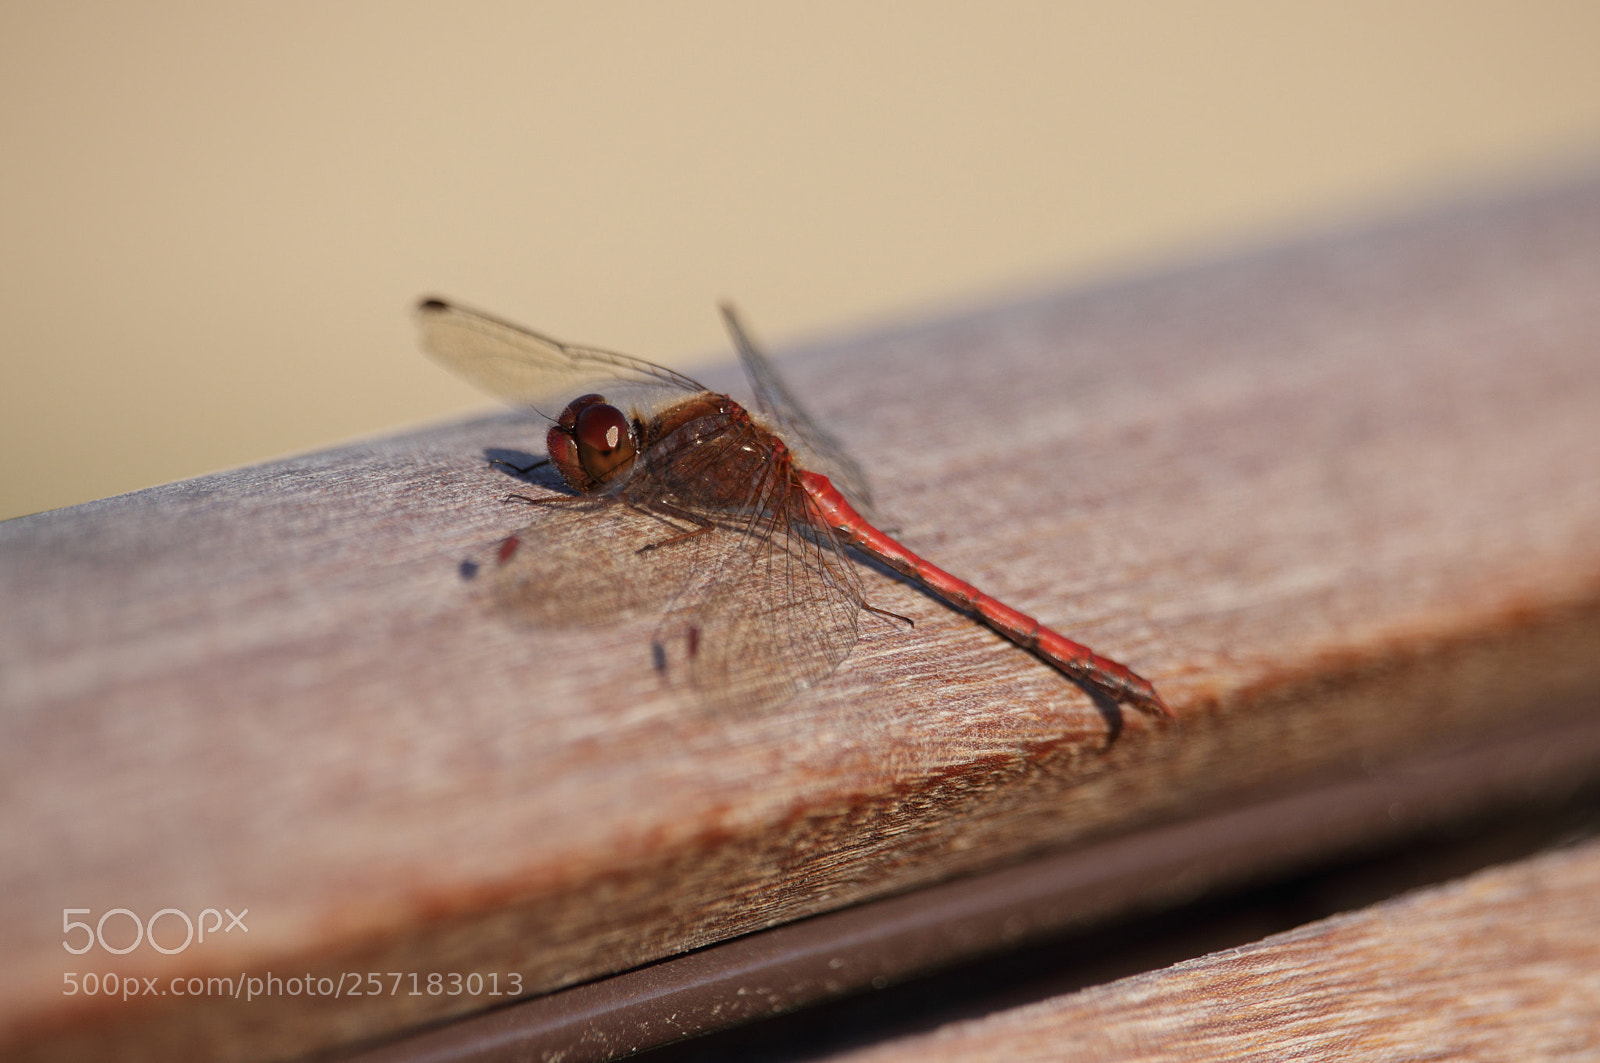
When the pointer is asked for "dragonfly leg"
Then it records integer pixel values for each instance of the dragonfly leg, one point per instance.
(545, 500)
(887, 614)
(699, 525)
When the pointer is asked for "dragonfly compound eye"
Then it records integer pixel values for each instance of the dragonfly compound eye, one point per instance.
(605, 441)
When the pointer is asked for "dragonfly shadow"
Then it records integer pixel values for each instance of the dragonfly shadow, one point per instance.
(1108, 709)
(525, 467)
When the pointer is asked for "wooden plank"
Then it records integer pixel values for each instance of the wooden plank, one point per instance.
(1340, 501)
(1504, 964)
(987, 939)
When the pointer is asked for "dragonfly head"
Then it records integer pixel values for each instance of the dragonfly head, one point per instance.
(592, 444)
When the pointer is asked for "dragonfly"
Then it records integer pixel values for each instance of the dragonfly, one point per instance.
(736, 528)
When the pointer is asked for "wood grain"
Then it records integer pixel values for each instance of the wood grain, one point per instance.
(1339, 500)
(1504, 964)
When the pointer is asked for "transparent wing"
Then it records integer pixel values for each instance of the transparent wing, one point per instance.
(592, 562)
(820, 451)
(776, 613)
(525, 368)
(765, 625)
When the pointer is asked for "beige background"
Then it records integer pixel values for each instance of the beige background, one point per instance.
(215, 217)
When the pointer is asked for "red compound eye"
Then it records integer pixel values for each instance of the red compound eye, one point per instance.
(605, 441)
(602, 429)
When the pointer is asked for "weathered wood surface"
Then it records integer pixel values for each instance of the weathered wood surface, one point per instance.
(1504, 964)
(1340, 501)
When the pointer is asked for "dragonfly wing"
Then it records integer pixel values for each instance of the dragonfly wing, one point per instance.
(750, 617)
(525, 368)
(820, 450)
(591, 562)
(776, 602)
(765, 626)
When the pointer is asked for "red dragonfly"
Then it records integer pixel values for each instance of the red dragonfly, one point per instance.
(734, 527)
